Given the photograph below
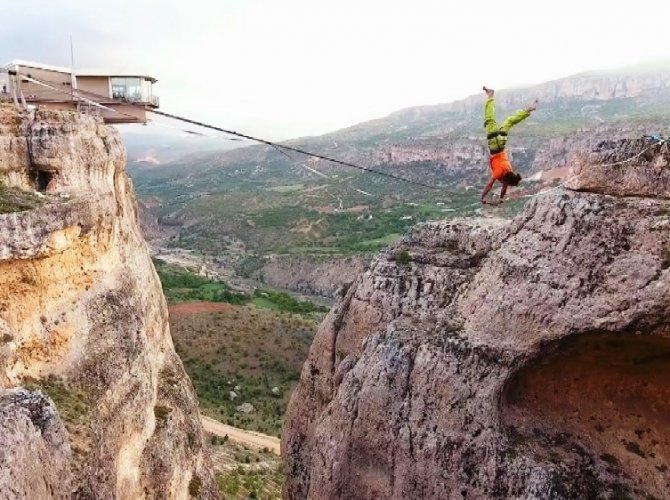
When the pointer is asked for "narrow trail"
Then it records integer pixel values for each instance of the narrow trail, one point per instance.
(254, 440)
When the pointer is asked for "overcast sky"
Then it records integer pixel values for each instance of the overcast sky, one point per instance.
(287, 68)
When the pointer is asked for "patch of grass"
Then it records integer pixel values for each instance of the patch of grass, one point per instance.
(250, 483)
(280, 301)
(262, 476)
(282, 217)
(250, 265)
(265, 303)
(373, 245)
(16, 200)
(403, 259)
(162, 413)
(331, 218)
(182, 285)
(218, 440)
(229, 484)
(72, 404)
(291, 188)
(177, 277)
(194, 486)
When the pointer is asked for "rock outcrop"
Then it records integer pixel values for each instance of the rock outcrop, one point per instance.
(573, 149)
(498, 359)
(83, 319)
(35, 454)
(316, 276)
(607, 169)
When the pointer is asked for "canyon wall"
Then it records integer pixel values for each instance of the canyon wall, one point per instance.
(83, 321)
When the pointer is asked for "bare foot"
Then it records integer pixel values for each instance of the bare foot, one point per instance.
(533, 105)
(489, 92)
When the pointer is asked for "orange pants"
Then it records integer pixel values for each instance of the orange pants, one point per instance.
(500, 165)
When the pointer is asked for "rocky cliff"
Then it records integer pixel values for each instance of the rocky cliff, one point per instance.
(83, 327)
(502, 359)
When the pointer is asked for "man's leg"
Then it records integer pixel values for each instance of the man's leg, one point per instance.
(518, 117)
(490, 124)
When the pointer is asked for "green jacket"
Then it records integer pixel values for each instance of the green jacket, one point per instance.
(496, 135)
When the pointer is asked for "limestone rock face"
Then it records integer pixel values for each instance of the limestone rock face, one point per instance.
(83, 318)
(497, 359)
(35, 454)
(460, 155)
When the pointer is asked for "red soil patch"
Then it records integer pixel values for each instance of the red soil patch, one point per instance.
(185, 308)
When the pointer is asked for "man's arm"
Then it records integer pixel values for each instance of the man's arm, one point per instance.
(503, 191)
(487, 188)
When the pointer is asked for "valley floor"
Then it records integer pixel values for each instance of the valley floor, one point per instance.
(243, 472)
(254, 440)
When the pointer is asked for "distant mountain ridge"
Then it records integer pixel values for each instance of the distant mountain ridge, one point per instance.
(626, 97)
(646, 86)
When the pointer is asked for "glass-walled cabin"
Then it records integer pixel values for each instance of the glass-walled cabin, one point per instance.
(132, 89)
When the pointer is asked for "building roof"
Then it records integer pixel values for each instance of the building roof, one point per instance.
(79, 72)
(98, 72)
(36, 65)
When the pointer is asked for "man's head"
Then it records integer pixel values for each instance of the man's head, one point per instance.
(511, 178)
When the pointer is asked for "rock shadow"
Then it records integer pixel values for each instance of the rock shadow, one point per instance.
(599, 403)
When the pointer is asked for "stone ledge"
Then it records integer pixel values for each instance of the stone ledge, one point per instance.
(627, 167)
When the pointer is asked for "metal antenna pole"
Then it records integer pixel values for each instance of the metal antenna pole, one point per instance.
(73, 77)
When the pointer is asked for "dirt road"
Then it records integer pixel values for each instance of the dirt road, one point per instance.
(198, 307)
(254, 440)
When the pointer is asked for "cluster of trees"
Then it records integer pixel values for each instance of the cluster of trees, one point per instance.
(181, 285)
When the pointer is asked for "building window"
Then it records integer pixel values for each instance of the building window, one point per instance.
(127, 89)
